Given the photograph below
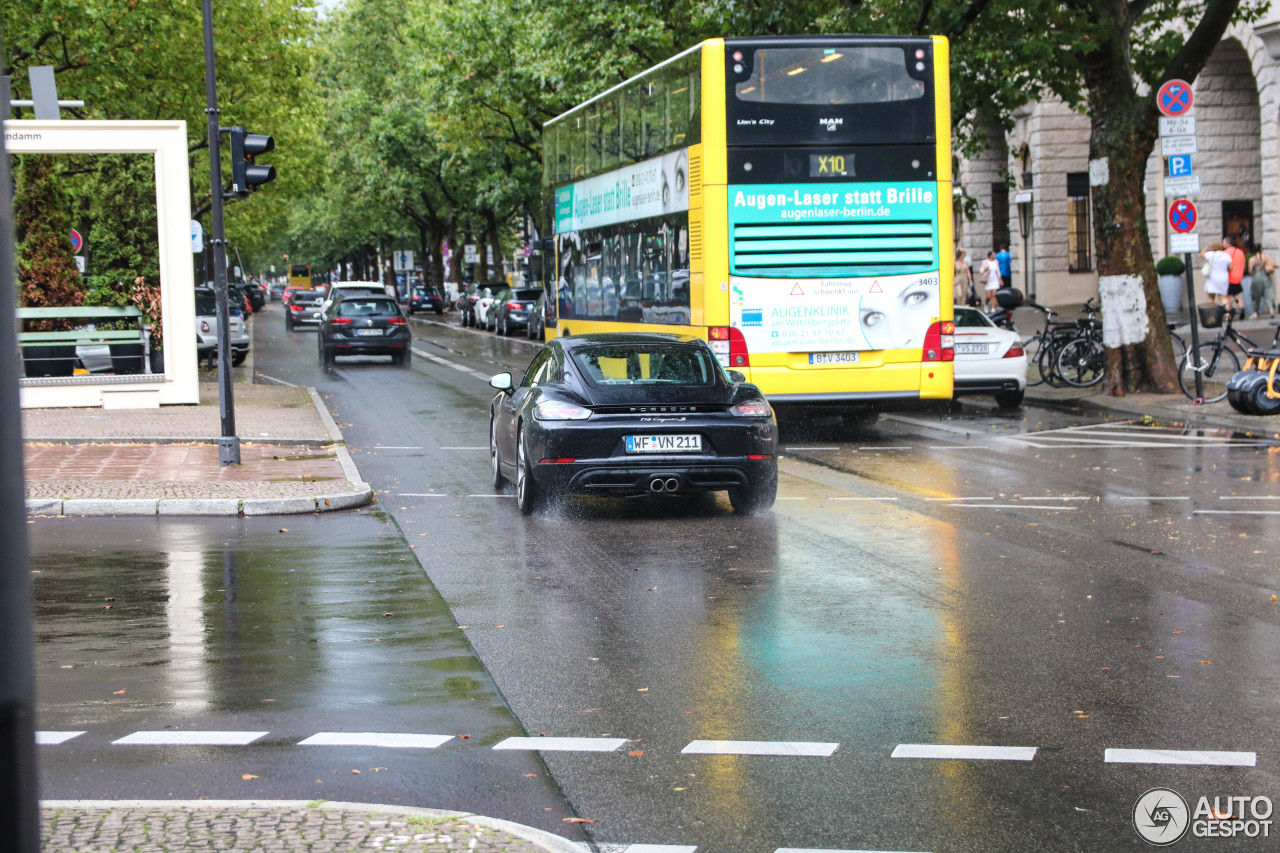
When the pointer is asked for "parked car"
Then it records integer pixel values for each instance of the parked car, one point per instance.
(511, 308)
(989, 360)
(537, 326)
(276, 290)
(632, 414)
(207, 329)
(466, 305)
(303, 309)
(364, 324)
(487, 295)
(257, 299)
(425, 299)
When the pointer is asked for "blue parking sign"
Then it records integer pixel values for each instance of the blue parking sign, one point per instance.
(1179, 165)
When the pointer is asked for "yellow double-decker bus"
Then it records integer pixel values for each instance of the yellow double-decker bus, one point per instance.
(786, 198)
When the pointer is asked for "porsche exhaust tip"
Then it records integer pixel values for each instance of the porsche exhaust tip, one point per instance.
(664, 484)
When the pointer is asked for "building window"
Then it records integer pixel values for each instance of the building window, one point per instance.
(999, 215)
(1079, 237)
(1237, 221)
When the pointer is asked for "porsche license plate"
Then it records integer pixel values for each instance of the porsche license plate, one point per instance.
(833, 358)
(664, 443)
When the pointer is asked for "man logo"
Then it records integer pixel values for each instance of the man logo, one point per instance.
(831, 123)
(1161, 817)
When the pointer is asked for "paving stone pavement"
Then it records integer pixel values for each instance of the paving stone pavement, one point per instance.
(289, 826)
(165, 461)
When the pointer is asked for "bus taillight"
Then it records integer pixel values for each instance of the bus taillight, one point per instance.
(940, 342)
(729, 346)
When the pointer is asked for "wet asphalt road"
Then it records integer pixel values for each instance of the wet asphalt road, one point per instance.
(1028, 580)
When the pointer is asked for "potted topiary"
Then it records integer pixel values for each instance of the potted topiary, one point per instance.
(1170, 270)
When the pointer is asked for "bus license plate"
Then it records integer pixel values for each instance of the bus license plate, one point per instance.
(368, 332)
(833, 358)
(972, 349)
(664, 443)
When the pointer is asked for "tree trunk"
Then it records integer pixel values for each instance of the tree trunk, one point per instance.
(1139, 355)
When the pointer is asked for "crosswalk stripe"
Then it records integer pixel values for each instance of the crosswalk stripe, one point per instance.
(189, 738)
(390, 740)
(759, 747)
(53, 738)
(964, 751)
(1181, 756)
(562, 744)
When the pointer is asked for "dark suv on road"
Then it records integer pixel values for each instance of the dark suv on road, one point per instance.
(511, 309)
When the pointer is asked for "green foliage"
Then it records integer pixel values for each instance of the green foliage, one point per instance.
(1170, 265)
(47, 272)
(124, 241)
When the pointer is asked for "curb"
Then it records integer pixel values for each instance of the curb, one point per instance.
(360, 495)
(548, 841)
(1210, 419)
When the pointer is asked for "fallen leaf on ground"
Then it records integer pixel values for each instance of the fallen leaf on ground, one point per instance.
(578, 820)
(284, 530)
(636, 753)
(499, 626)
(531, 775)
(652, 589)
(356, 772)
(590, 710)
(248, 776)
(642, 689)
(118, 692)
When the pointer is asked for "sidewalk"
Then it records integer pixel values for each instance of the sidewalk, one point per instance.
(165, 461)
(162, 826)
(1164, 408)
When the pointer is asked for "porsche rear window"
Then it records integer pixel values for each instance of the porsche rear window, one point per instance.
(646, 365)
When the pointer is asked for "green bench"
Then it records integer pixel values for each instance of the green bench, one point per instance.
(55, 360)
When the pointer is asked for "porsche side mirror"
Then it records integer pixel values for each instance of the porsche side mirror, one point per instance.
(501, 381)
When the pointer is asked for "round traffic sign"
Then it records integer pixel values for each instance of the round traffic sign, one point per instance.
(77, 242)
(1174, 98)
(1182, 216)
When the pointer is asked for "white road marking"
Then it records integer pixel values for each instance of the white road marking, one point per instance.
(189, 738)
(976, 753)
(1017, 506)
(959, 499)
(1181, 756)
(465, 448)
(1249, 497)
(1235, 512)
(884, 448)
(53, 738)
(864, 499)
(391, 740)
(1153, 498)
(562, 744)
(811, 448)
(1050, 498)
(461, 368)
(759, 747)
(277, 381)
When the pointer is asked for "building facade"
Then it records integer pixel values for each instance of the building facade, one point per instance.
(1032, 188)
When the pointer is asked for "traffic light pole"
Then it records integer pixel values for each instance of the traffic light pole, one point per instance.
(228, 443)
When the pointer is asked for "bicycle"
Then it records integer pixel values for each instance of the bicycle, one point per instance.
(1042, 348)
(1081, 360)
(1213, 360)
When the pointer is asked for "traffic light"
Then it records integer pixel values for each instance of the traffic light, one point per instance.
(245, 174)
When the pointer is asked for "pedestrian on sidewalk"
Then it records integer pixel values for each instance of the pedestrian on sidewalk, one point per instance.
(991, 276)
(1216, 272)
(960, 287)
(1005, 260)
(1261, 286)
(1235, 275)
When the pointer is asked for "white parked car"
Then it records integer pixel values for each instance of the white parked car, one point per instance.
(989, 360)
(207, 329)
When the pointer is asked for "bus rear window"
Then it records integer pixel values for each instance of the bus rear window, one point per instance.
(820, 76)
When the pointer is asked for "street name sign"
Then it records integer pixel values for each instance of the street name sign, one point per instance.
(1172, 145)
(1177, 126)
(1184, 244)
(1174, 187)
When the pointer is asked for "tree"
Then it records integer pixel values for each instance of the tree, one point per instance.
(47, 272)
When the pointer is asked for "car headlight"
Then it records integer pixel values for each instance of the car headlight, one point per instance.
(557, 410)
(757, 408)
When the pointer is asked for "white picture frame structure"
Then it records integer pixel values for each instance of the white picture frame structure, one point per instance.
(166, 141)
